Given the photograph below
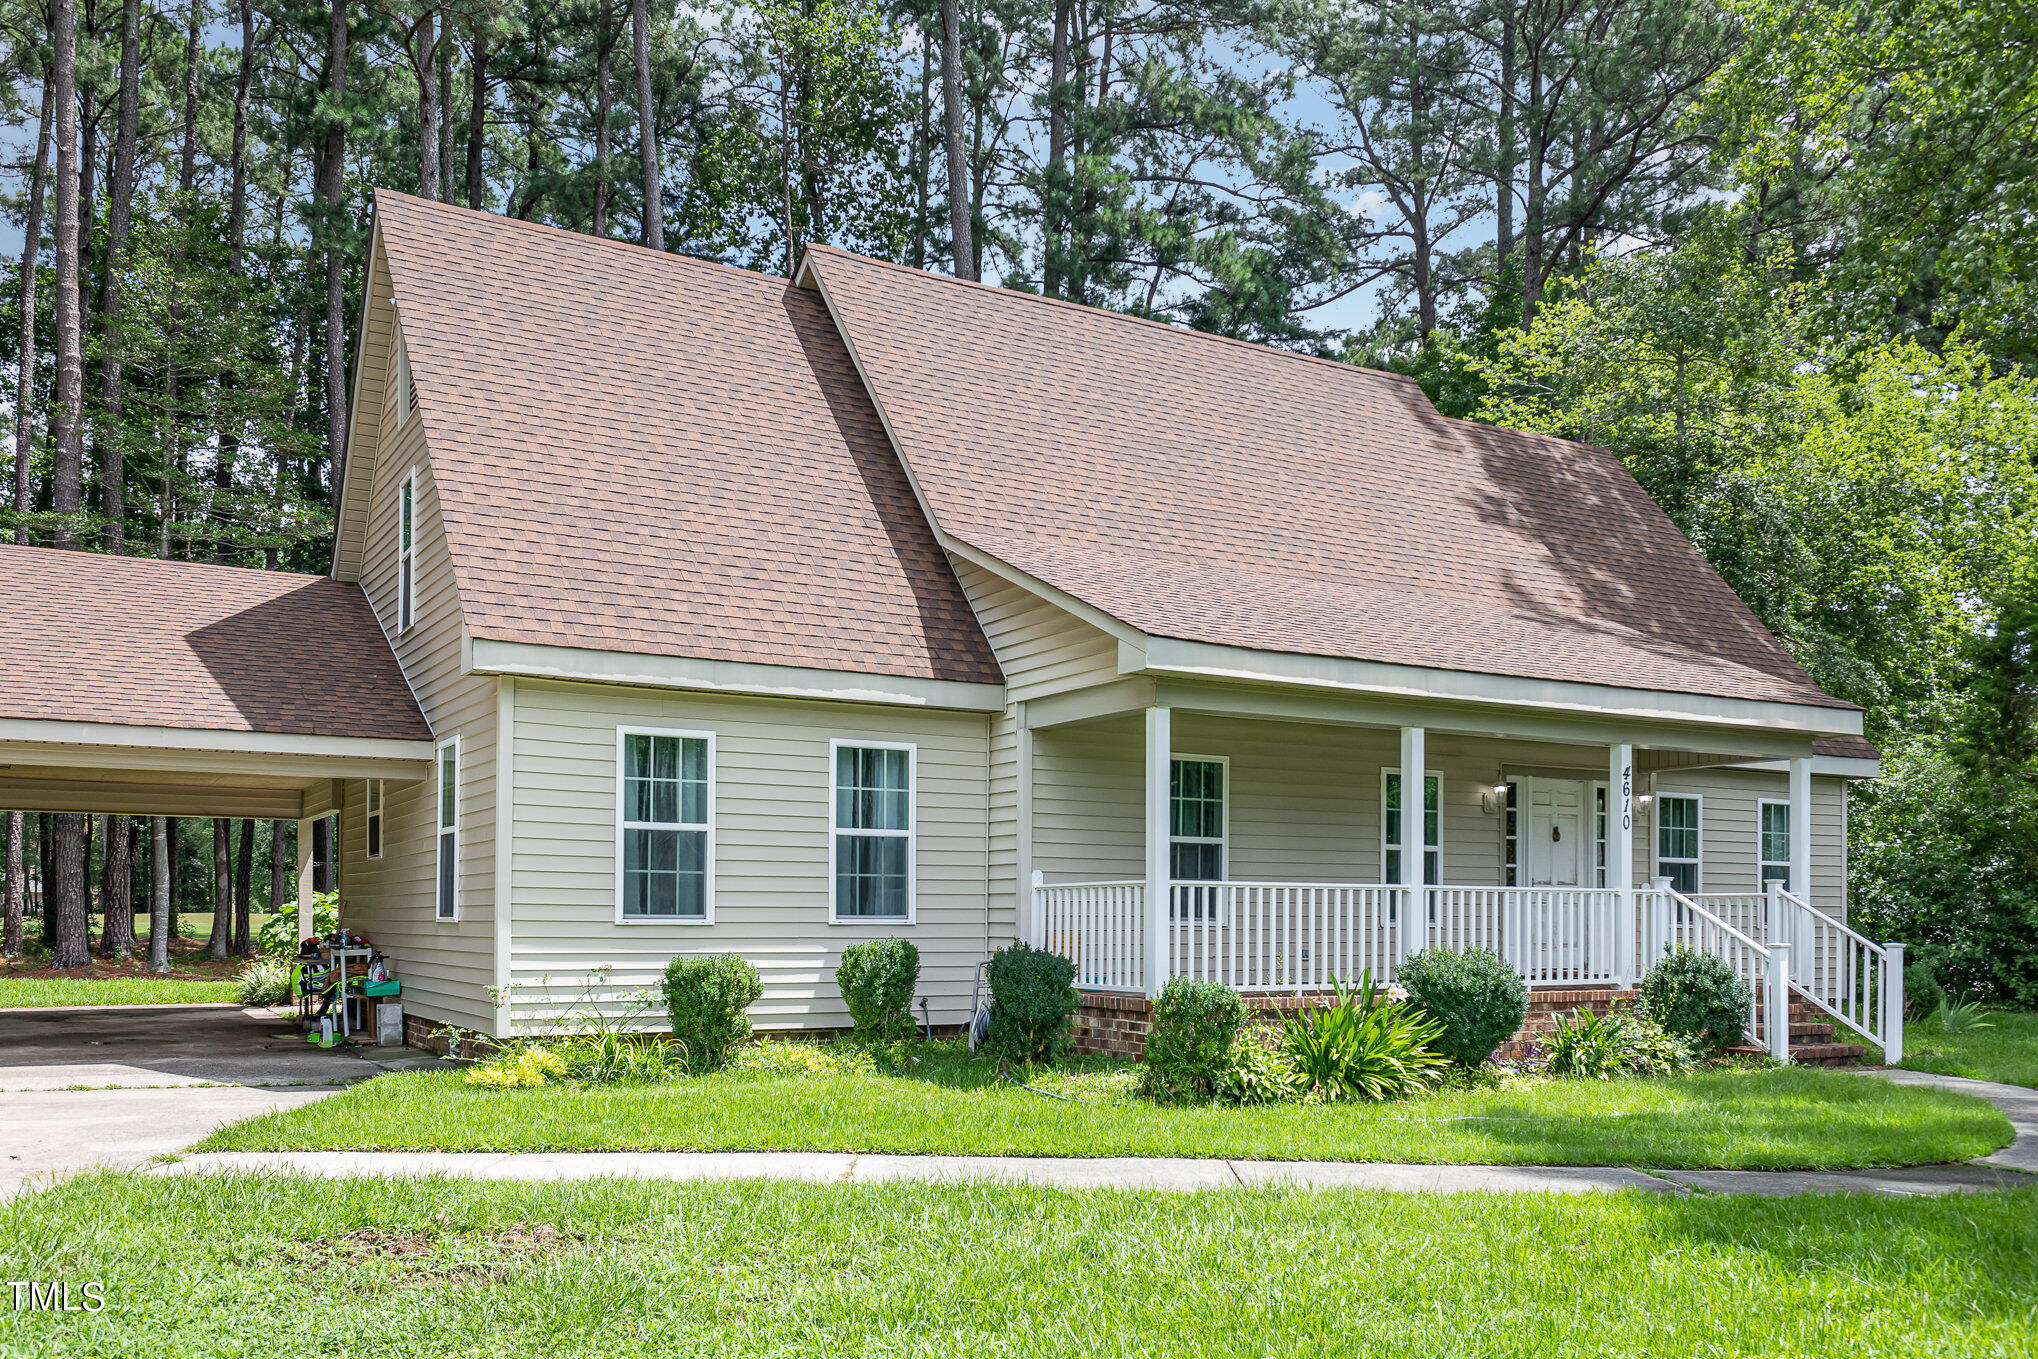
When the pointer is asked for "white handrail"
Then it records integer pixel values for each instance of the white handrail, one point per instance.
(1847, 975)
(1765, 968)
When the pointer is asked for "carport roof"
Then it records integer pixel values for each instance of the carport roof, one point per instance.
(135, 642)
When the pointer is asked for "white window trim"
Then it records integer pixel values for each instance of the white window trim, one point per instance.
(1595, 789)
(439, 829)
(707, 917)
(1223, 842)
(1656, 839)
(911, 833)
(1436, 774)
(1761, 884)
(403, 389)
(407, 581)
(375, 822)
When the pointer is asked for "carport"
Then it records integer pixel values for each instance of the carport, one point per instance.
(161, 688)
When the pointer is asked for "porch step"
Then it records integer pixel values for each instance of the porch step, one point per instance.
(1827, 1054)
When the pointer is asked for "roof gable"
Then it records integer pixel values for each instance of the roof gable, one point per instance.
(1209, 490)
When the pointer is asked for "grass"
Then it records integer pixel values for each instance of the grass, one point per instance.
(233, 1266)
(2007, 1051)
(951, 1103)
(143, 990)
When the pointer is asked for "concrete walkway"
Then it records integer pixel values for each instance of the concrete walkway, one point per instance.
(2005, 1169)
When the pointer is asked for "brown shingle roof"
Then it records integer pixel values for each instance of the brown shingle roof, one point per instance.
(646, 453)
(1846, 748)
(1209, 490)
(137, 642)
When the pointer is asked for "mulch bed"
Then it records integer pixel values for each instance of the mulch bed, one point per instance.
(187, 963)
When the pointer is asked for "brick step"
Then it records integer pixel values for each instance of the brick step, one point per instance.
(1827, 1054)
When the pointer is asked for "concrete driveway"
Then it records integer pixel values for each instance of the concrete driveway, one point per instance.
(115, 1086)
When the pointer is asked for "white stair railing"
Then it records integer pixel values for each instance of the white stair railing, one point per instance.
(1283, 936)
(1098, 926)
(1858, 982)
(1669, 919)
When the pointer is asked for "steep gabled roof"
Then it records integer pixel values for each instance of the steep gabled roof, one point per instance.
(646, 453)
(141, 643)
(1208, 490)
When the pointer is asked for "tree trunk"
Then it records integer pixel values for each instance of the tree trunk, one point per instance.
(66, 891)
(237, 200)
(279, 867)
(444, 89)
(961, 246)
(116, 890)
(426, 68)
(14, 886)
(647, 126)
(24, 354)
(67, 474)
(1054, 208)
(244, 884)
(331, 188)
(604, 52)
(217, 942)
(170, 829)
(1503, 170)
(923, 148)
(162, 894)
(112, 444)
(46, 872)
(477, 113)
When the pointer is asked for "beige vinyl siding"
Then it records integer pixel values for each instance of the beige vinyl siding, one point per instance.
(1729, 846)
(1042, 649)
(446, 967)
(773, 784)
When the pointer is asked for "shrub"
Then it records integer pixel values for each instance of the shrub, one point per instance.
(1590, 1044)
(1477, 999)
(609, 1056)
(1922, 993)
(708, 998)
(1031, 1004)
(877, 978)
(1655, 1051)
(1192, 1027)
(1256, 1070)
(795, 1058)
(1363, 1047)
(517, 1067)
(278, 936)
(264, 981)
(1697, 996)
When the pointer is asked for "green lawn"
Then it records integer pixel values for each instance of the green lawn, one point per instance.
(25, 991)
(2007, 1051)
(243, 1265)
(952, 1103)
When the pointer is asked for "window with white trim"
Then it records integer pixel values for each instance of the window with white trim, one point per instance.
(1599, 835)
(1197, 818)
(1510, 834)
(1773, 851)
(871, 842)
(406, 553)
(447, 898)
(1390, 826)
(1679, 835)
(405, 393)
(374, 818)
(665, 837)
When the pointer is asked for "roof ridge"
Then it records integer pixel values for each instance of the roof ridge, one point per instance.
(75, 554)
(1086, 309)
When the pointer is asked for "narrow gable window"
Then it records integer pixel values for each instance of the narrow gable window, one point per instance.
(406, 395)
(406, 553)
(375, 818)
(665, 840)
(1678, 836)
(871, 847)
(448, 895)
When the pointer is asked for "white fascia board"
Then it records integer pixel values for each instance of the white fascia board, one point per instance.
(109, 745)
(533, 661)
(1823, 767)
(1166, 656)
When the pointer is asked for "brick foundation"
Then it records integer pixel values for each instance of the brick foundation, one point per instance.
(443, 1039)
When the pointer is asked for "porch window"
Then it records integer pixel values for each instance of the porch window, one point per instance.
(667, 850)
(1677, 841)
(1599, 836)
(872, 848)
(1775, 843)
(1196, 820)
(406, 553)
(1390, 837)
(1511, 834)
(448, 896)
(374, 818)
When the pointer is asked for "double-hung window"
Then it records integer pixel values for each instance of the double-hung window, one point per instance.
(664, 830)
(1196, 819)
(1599, 835)
(1678, 837)
(1774, 835)
(447, 897)
(1390, 827)
(406, 553)
(374, 819)
(870, 845)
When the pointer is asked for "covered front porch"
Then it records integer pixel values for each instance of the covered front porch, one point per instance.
(1207, 837)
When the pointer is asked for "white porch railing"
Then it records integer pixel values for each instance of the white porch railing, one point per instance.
(1282, 936)
(1098, 926)
(1553, 936)
(1856, 981)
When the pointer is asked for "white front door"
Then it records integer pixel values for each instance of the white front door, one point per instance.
(1557, 833)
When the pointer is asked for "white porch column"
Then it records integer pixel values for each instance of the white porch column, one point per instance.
(1415, 902)
(1893, 1003)
(1801, 829)
(1032, 927)
(1620, 856)
(306, 921)
(1159, 770)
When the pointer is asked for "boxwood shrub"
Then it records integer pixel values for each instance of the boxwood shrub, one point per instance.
(708, 998)
(1479, 1000)
(1698, 996)
(1188, 1046)
(1032, 1003)
(877, 978)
